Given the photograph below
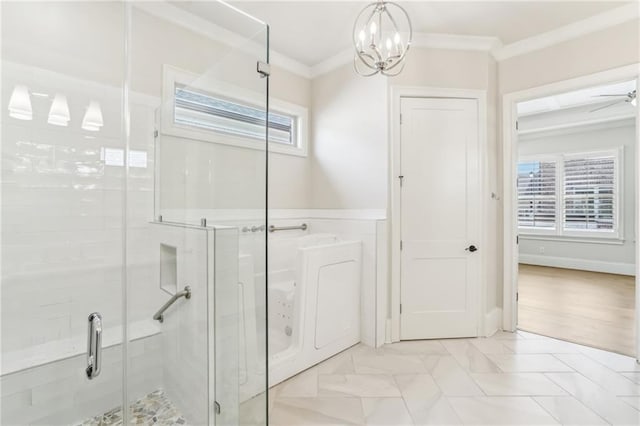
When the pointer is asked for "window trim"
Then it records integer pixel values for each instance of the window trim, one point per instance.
(559, 231)
(172, 76)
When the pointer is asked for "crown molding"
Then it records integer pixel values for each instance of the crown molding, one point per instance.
(568, 32)
(182, 18)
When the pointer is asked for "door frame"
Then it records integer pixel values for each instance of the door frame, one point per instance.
(396, 93)
(509, 158)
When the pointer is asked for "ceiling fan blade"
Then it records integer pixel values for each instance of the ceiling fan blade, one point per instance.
(606, 106)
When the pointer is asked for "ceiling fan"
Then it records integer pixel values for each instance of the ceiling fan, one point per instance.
(626, 97)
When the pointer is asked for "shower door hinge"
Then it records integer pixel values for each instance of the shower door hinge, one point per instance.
(263, 69)
(216, 407)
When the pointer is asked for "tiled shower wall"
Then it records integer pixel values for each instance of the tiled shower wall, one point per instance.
(59, 392)
(62, 215)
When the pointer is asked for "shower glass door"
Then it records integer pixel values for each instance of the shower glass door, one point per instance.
(197, 214)
(63, 196)
(133, 139)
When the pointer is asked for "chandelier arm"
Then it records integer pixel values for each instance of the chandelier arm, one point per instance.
(371, 65)
(389, 74)
(395, 64)
(375, 50)
(355, 67)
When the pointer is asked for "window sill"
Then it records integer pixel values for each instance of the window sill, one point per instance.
(574, 239)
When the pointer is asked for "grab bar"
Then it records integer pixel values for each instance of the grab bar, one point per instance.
(94, 346)
(186, 293)
(287, 228)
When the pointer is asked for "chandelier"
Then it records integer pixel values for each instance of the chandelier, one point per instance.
(381, 39)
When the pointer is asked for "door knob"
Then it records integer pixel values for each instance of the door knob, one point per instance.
(472, 248)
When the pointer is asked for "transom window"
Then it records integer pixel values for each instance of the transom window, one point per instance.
(206, 111)
(570, 194)
(211, 110)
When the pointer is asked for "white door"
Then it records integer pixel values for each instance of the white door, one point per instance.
(440, 211)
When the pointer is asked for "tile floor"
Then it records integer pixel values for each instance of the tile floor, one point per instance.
(507, 379)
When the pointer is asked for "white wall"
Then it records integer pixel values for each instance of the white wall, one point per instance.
(616, 256)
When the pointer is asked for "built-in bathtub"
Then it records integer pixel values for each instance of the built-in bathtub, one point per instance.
(314, 301)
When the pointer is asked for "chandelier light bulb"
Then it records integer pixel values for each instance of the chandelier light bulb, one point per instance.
(382, 35)
(373, 28)
(20, 103)
(59, 112)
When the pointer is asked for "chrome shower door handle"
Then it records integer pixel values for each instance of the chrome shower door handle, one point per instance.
(94, 345)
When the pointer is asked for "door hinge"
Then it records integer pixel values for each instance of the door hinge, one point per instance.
(400, 119)
(517, 239)
(517, 126)
(517, 296)
(263, 69)
(400, 244)
(401, 177)
(216, 407)
(401, 309)
(155, 133)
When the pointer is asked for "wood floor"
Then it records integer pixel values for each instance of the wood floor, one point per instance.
(589, 308)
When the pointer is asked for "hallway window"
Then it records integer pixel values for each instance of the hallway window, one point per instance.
(570, 194)
(537, 195)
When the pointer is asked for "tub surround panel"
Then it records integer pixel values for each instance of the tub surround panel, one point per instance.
(184, 328)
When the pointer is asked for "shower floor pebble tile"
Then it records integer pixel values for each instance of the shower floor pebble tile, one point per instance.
(509, 378)
(154, 409)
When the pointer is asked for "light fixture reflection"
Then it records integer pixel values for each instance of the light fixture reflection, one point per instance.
(92, 120)
(20, 104)
(59, 113)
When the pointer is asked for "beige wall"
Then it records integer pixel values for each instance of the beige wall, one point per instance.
(349, 141)
(610, 48)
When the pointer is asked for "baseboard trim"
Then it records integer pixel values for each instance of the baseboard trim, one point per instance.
(492, 321)
(580, 264)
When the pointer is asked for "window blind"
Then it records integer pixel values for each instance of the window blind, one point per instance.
(589, 193)
(537, 194)
(193, 108)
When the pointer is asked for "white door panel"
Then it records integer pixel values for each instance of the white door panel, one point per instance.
(439, 210)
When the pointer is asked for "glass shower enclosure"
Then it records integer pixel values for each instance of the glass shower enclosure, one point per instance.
(133, 213)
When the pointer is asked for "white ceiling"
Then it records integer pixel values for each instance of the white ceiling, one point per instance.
(313, 31)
